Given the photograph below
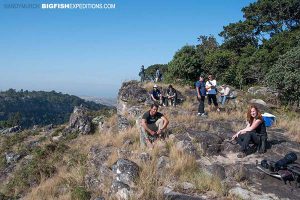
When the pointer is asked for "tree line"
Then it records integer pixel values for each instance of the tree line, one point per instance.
(261, 49)
(28, 108)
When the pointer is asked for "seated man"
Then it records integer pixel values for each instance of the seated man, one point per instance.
(171, 96)
(153, 125)
(156, 96)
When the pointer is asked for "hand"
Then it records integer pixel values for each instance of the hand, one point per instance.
(235, 136)
(158, 132)
(152, 132)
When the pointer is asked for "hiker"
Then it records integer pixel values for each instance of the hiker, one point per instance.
(211, 86)
(158, 75)
(171, 96)
(224, 94)
(153, 126)
(255, 132)
(142, 73)
(201, 93)
(156, 95)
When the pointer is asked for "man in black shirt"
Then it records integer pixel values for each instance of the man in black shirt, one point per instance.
(153, 125)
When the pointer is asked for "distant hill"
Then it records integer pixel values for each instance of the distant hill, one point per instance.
(28, 108)
(111, 102)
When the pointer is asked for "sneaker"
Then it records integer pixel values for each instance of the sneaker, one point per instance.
(203, 115)
(218, 110)
(199, 114)
(241, 155)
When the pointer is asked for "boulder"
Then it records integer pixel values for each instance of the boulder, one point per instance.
(209, 143)
(131, 91)
(245, 194)
(120, 190)
(123, 123)
(98, 173)
(264, 91)
(12, 157)
(261, 104)
(216, 170)
(125, 171)
(80, 121)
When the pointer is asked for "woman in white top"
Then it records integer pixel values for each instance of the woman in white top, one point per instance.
(211, 85)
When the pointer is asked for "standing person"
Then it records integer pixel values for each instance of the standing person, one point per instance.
(171, 97)
(254, 132)
(156, 95)
(201, 93)
(142, 73)
(153, 127)
(157, 75)
(211, 85)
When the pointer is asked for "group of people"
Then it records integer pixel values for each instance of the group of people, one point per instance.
(158, 74)
(170, 97)
(209, 88)
(252, 138)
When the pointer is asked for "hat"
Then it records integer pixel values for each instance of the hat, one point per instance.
(155, 86)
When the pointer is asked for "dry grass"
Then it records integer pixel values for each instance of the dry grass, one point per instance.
(59, 186)
(181, 162)
(291, 125)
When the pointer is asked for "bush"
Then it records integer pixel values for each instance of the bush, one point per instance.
(80, 193)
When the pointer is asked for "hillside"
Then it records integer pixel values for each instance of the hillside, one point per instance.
(195, 162)
(28, 108)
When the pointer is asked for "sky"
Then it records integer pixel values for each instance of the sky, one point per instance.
(90, 52)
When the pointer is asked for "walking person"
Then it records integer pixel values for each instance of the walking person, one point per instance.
(211, 86)
(201, 93)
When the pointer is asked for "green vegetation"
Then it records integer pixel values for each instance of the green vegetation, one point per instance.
(38, 107)
(250, 52)
(80, 193)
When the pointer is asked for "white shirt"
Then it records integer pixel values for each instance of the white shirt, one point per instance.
(209, 84)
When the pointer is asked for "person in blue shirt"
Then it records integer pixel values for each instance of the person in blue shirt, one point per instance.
(156, 95)
(201, 93)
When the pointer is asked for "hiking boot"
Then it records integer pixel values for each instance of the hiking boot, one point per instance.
(241, 155)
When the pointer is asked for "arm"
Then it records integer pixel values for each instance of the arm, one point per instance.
(254, 125)
(166, 122)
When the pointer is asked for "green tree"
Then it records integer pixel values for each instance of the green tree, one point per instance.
(285, 77)
(218, 61)
(185, 65)
(150, 71)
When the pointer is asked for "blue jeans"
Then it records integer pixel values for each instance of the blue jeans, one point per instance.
(222, 99)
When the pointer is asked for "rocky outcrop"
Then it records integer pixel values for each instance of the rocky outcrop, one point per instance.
(99, 174)
(14, 129)
(80, 121)
(264, 91)
(130, 94)
(125, 174)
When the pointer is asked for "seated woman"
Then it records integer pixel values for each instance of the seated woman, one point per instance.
(255, 132)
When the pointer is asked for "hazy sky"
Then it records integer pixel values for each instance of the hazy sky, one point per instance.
(92, 51)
